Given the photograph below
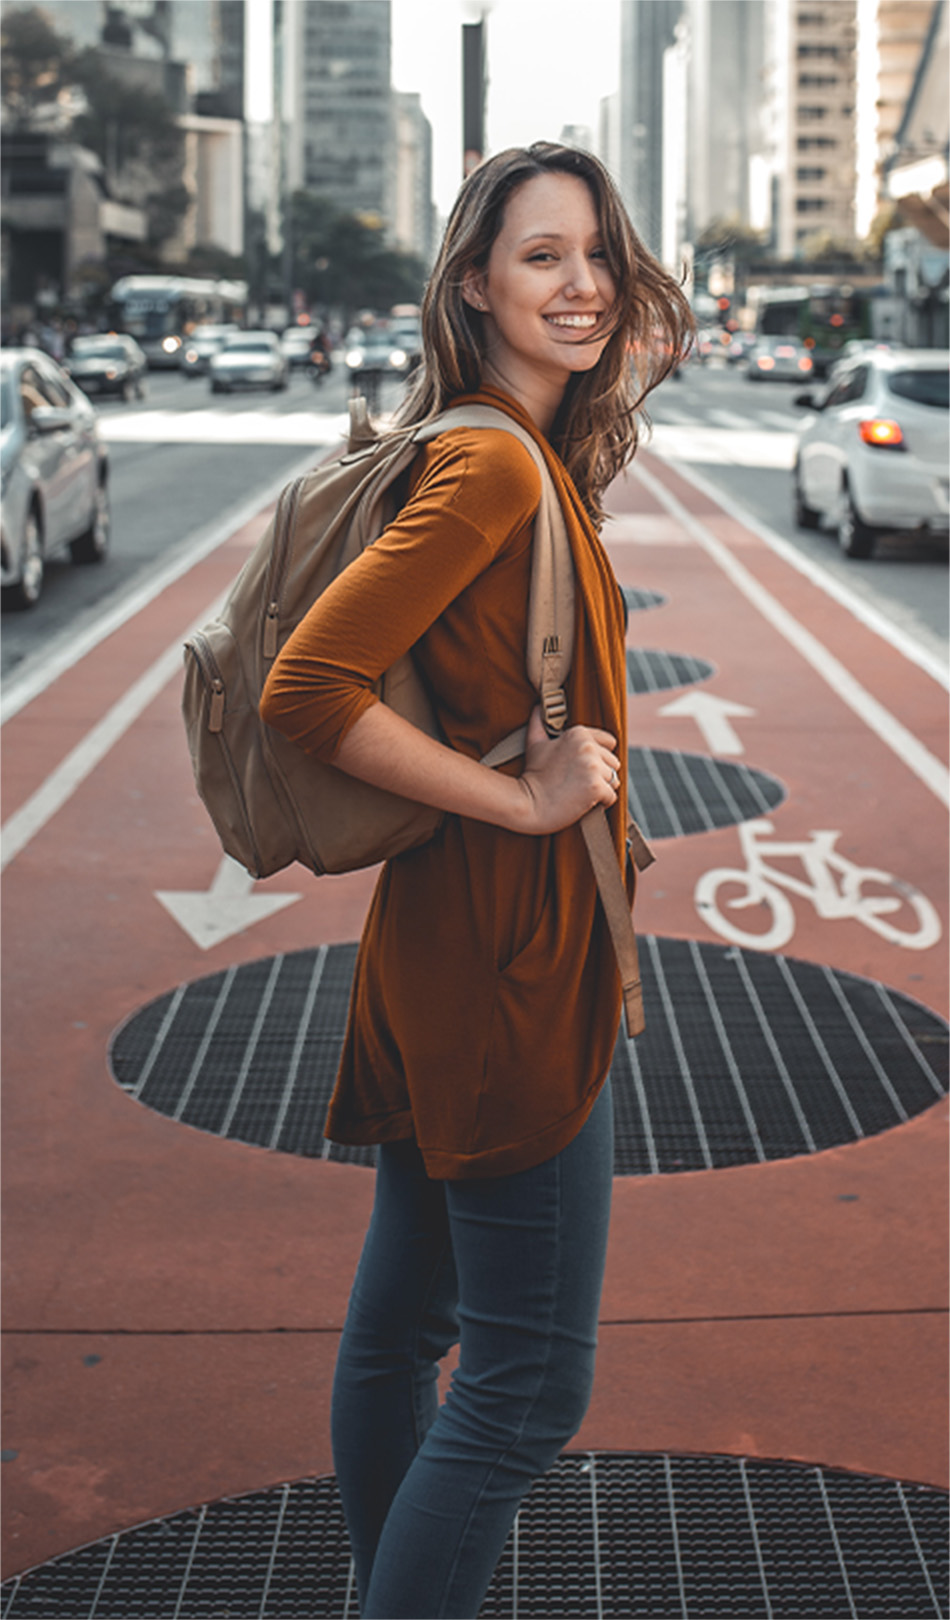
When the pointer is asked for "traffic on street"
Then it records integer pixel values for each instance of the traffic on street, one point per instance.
(183, 460)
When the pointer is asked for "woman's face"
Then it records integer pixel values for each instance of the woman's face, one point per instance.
(546, 293)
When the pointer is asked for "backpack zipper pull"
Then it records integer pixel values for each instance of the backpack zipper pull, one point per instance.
(216, 708)
(270, 630)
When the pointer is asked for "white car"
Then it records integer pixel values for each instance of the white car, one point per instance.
(249, 360)
(55, 474)
(201, 344)
(779, 359)
(872, 453)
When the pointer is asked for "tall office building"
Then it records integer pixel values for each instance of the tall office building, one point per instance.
(647, 29)
(338, 106)
(812, 93)
(725, 44)
(413, 215)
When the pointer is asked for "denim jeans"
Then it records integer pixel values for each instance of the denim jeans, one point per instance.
(511, 1266)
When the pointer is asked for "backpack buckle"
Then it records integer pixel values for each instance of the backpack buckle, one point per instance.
(554, 710)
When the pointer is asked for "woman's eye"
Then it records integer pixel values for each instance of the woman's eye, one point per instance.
(541, 258)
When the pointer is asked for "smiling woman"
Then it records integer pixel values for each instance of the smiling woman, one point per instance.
(486, 997)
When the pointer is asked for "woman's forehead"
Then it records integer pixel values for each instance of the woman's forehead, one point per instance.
(549, 205)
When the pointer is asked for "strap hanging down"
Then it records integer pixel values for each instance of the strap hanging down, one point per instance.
(549, 651)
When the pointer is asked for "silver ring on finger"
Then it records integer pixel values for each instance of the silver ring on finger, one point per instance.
(614, 779)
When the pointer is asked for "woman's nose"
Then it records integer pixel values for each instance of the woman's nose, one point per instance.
(580, 279)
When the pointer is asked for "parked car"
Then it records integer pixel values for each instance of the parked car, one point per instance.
(200, 344)
(54, 470)
(249, 360)
(108, 363)
(872, 453)
(778, 359)
(405, 333)
(738, 347)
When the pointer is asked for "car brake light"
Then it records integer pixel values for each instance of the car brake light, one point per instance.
(765, 362)
(885, 434)
(805, 363)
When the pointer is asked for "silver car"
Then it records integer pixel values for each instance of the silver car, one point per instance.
(249, 360)
(872, 453)
(55, 474)
(197, 348)
(779, 359)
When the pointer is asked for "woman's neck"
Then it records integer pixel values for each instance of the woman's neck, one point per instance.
(539, 396)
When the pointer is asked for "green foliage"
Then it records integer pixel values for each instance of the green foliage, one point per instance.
(342, 260)
(34, 62)
(123, 121)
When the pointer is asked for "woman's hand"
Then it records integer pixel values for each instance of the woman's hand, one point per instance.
(565, 776)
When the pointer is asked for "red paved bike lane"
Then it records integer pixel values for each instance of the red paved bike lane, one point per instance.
(173, 1300)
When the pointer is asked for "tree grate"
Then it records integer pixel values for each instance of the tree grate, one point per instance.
(746, 1057)
(605, 1534)
(649, 669)
(673, 794)
(640, 601)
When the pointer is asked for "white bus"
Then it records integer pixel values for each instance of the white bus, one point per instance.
(160, 311)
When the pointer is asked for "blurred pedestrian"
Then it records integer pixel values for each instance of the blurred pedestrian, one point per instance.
(486, 998)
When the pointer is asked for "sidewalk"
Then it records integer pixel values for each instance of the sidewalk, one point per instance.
(174, 1297)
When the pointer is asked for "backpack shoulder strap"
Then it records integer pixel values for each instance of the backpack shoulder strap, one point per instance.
(550, 643)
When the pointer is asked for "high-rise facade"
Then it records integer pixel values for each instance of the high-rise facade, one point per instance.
(725, 46)
(339, 108)
(812, 62)
(413, 216)
(647, 28)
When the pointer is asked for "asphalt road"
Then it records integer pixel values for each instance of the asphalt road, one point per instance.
(183, 462)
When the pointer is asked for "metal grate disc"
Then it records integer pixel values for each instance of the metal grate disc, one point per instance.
(639, 601)
(612, 1534)
(746, 1057)
(652, 670)
(672, 794)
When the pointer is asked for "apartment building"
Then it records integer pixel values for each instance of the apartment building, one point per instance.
(813, 96)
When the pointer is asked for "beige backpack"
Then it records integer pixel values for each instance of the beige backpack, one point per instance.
(271, 803)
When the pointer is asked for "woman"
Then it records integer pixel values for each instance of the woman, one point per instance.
(486, 1000)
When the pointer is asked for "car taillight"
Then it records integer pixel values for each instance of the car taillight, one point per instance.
(880, 431)
(805, 363)
(765, 362)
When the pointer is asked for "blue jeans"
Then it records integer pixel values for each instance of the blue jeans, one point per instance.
(510, 1266)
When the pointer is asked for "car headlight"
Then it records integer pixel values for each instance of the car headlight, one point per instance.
(170, 344)
(112, 373)
(397, 357)
(354, 358)
(191, 356)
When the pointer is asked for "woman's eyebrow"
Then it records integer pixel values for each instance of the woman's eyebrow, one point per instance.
(550, 236)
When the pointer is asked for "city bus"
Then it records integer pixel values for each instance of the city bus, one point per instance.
(159, 311)
(823, 316)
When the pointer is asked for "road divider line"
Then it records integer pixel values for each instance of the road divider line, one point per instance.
(902, 742)
(862, 610)
(22, 686)
(62, 783)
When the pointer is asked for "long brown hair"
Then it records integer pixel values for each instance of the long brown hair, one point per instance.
(596, 428)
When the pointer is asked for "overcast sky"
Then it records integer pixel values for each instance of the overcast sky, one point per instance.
(549, 64)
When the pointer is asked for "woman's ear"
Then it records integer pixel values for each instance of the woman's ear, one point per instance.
(473, 290)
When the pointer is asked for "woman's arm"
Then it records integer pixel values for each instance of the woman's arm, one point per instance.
(564, 776)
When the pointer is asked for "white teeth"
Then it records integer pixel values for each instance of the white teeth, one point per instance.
(572, 320)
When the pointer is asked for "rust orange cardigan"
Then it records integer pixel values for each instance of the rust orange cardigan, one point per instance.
(486, 999)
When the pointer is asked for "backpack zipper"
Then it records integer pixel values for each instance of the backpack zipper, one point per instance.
(283, 523)
(200, 650)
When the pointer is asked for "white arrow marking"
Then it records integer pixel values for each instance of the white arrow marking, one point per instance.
(710, 713)
(227, 908)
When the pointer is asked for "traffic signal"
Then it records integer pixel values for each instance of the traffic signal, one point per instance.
(723, 305)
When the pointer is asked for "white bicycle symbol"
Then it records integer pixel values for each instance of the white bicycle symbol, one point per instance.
(834, 885)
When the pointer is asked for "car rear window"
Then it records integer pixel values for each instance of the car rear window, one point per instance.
(924, 387)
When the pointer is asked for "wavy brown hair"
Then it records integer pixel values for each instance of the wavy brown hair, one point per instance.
(597, 425)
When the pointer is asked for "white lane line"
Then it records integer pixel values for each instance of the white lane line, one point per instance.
(62, 783)
(225, 427)
(65, 651)
(908, 748)
(937, 668)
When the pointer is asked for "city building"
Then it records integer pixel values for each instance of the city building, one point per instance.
(917, 253)
(725, 50)
(811, 100)
(338, 109)
(413, 214)
(647, 29)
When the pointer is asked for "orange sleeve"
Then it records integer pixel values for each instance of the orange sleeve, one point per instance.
(477, 489)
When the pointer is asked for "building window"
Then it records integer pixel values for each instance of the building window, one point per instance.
(810, 205)
(817, 50)
(817, 81)
(811, 19)
(807, 115)
(811, 143)
(811, 174)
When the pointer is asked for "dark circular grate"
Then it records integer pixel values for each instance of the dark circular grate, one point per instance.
(639, 601)
(649, 669)
(613, 1534)
(746, 1057)
(672, 794)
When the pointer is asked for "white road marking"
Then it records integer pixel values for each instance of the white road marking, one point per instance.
(832, 586)
(902, 742)
(751, 447)
(216, 426)
(82, 760)
(711, 715)
(210, 916)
